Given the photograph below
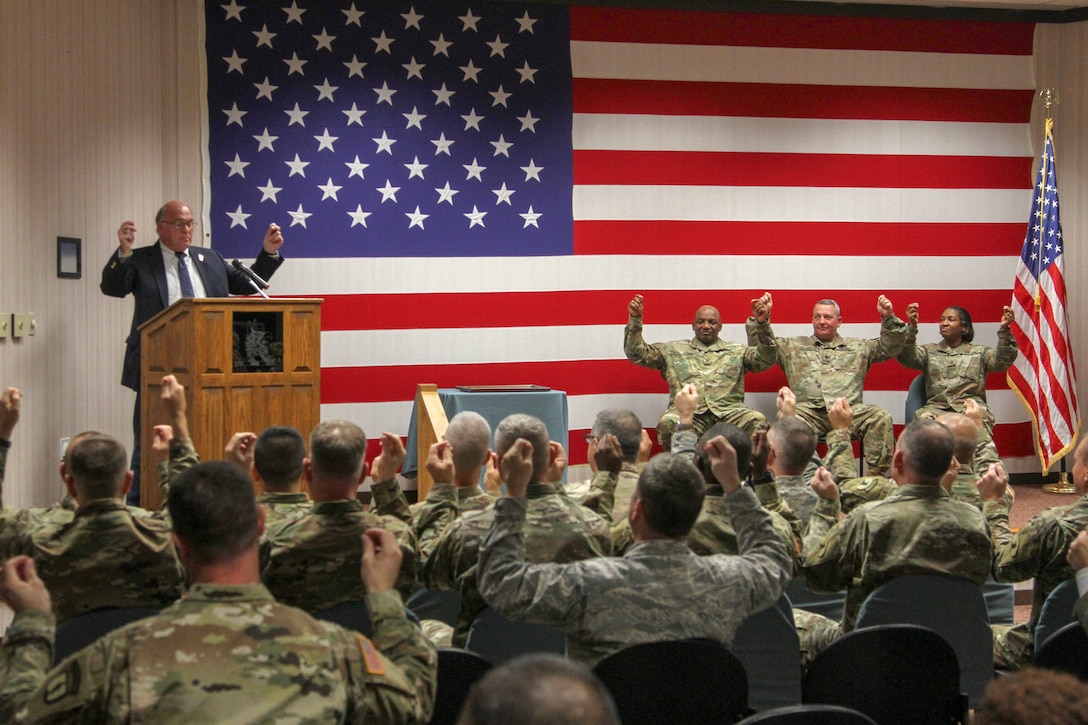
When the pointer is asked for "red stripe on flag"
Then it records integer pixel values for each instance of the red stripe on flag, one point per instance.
(390, 383)
(450, 310)
(790, 238)
(782, 100)
(674, 168)
(799, 31)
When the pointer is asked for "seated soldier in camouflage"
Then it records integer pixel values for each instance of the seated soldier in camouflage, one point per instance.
(716, 367)
(626, 428)
(918, 529)
(972, 459)
(557, 528)
(659, 590)
(308, 562)
(274, 461)
(455, 464)
(60, 512)
(226, 652)
(1078, 559)
(954, 369)
(1038, 550)
(792, 460)
(104, 554)
(825, 366)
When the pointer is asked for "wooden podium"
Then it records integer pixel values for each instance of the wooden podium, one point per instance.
(245, 363)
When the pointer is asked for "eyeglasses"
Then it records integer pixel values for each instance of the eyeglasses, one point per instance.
(179, 225)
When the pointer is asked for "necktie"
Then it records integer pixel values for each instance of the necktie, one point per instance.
(183, 276)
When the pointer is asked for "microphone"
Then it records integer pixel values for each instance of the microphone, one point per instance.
(253, 276)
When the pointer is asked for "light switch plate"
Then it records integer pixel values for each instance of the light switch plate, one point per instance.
(32, 328)
(5, 324)
(20, 325)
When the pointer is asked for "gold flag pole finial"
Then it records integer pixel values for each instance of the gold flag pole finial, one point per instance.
(1050, 98)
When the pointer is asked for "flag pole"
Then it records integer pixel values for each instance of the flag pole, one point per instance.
(1064, 485)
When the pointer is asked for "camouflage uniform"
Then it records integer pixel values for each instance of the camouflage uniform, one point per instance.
(717, 371)
(659, 590)
(105, 554)
(312, 562)
(181, 456)
(918, 529)
(278, 506)
(224, 654)
(620, 495)
(282, 506)
(431, 517)
(58, 513)
(821, 372)
(713, 532)
(558, 530)
(854, 490)
(1037, 550)
(953, 374)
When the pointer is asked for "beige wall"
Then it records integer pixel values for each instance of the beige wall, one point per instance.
(100, 122)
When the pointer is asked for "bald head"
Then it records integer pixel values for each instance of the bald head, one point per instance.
(707, 324)
(923, 453)
(539, 689)
(965, 432)
(470, 436)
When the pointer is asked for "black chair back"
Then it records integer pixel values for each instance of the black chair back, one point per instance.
(893, 673)
(687, 682)
(801, 597)
(440, 604)
(809, 715)
(458, 671)
(497, 639)
(1065, 650)
(74, 634)
(351, 615)
(767, 645)
(952, 607)
(1057, 611)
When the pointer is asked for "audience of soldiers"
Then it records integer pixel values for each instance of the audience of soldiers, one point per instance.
(686, 545)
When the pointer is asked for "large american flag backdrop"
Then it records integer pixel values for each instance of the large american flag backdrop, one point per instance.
(478, 189)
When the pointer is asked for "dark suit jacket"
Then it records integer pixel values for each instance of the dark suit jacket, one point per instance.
(144, 276)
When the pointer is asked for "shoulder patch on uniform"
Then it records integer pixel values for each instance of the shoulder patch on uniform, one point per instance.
(373, 660)
(62, 684)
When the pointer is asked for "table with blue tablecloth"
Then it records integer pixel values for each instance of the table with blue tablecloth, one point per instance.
(494, 405)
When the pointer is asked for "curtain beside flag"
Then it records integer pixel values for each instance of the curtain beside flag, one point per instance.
(1044, 375)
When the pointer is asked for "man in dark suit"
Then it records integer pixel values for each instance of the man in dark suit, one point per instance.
(161, 274)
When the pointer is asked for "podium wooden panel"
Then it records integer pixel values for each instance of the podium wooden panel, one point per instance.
(193, 339)
(431, 424)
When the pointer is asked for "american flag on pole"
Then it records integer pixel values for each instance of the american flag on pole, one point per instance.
(1044, 376)
(478, 189)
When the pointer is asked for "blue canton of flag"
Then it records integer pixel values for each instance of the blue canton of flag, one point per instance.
(385, 129)
(1043, 245)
